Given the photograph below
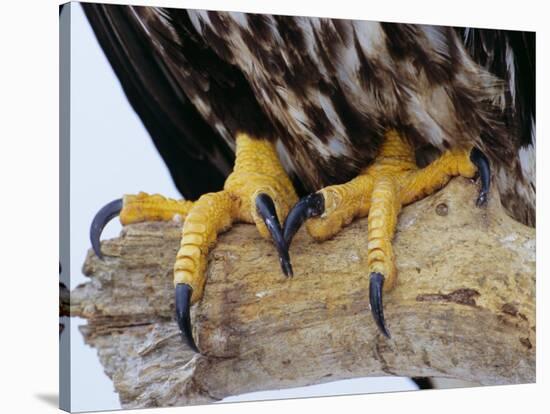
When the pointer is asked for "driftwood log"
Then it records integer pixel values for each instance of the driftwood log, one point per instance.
(464, 306)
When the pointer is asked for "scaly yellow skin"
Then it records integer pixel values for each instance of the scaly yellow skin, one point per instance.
(145, 207)
(257, 170)
(392, 181)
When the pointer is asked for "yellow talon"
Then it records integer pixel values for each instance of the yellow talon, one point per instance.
(257, 174)
(380, 191)
(257, 191)
(257, 171)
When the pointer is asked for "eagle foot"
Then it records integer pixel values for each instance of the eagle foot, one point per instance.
(390, 182)
(258, 191)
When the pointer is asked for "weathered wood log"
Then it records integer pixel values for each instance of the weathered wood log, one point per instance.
(463, 307)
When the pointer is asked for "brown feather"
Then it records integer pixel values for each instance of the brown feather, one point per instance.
(326, 90)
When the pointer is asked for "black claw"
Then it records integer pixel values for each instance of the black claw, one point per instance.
(266, 209)
(484, 170)
(312, 205)
(100, 220)
(376, 284)
(183, 313)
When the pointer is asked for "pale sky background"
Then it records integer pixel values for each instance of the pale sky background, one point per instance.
(112, 154)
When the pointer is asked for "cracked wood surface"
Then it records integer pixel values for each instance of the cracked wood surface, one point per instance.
(463, 306)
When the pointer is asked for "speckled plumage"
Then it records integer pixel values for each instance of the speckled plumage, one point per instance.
(324, 90)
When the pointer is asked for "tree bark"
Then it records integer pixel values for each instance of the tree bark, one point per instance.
(463, 307)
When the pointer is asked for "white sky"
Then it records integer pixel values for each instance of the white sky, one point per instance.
(112, 154)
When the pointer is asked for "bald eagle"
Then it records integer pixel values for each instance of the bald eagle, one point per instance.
(281, 120)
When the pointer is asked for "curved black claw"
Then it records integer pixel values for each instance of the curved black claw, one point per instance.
(266, 209)
(484, 170)
(376, 284)
(100, 220)
(183, 313)
(312, 205)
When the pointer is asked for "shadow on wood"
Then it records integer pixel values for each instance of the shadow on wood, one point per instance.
(463, 307)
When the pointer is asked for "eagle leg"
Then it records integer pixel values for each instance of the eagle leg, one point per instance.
(390, 182)
(258, 191)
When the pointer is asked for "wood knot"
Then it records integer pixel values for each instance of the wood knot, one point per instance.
(442, 209)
